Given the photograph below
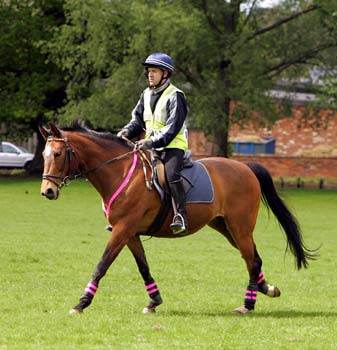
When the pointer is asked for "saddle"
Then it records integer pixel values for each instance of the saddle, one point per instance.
(196, 181)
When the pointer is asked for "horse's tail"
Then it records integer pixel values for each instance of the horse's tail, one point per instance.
(286, 219)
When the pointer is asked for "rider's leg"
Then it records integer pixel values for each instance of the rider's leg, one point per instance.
(179, 223)
(173, 161)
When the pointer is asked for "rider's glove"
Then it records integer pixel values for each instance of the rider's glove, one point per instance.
(144, 144)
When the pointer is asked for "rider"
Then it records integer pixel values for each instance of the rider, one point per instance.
(161, 111)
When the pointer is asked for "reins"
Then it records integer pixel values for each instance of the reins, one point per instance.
(144, 160)
(68, 159)
(107, 162)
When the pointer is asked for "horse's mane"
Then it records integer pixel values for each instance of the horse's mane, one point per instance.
(93, 134)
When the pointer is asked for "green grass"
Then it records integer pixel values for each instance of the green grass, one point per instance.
(50, 248)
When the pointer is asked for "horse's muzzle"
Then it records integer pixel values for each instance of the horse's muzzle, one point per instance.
(50, 193)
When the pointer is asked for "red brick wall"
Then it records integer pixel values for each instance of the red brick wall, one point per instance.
(295, 166)
(297, 135)
(294, 137)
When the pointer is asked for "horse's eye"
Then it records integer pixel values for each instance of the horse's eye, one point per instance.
(57, 154)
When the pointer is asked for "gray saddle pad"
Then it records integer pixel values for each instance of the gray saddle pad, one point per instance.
(197, 183)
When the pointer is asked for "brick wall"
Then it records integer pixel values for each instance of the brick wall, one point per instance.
(298, 135)
(295, 166)
(304, 147)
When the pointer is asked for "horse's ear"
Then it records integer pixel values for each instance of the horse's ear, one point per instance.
(44, 132)
(55, 131)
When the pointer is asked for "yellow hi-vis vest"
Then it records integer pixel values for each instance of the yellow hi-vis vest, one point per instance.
(157, 120)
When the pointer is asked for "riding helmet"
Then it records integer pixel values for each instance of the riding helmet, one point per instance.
(160, 60)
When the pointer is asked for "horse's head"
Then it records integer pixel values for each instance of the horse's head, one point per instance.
(58, 162)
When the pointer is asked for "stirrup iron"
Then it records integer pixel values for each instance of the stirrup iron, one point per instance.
(178, 224)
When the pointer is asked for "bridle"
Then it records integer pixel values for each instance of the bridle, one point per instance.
(68, 160)
(74, 172)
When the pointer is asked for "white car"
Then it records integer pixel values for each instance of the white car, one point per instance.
(12, 156)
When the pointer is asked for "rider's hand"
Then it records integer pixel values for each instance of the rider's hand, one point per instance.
(144, 144)
(123, 133)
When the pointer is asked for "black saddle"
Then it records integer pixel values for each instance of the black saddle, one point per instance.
(197, 184)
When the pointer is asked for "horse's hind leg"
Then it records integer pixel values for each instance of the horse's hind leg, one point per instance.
(136, 247)
(267, 289)
(257, 281)
(253, 261)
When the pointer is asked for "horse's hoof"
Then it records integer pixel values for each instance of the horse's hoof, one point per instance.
(242, 310)
(273, 291)
(75, 311)
(148, 310)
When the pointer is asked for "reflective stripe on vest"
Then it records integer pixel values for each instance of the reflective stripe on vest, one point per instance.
(157, 120)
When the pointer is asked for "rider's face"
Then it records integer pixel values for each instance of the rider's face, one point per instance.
(155, 75)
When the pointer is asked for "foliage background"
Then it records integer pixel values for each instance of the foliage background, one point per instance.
(80, 59)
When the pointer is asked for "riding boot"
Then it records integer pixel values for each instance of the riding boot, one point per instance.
(179, 223)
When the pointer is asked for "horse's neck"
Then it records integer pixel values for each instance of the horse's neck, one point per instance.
(106, 178)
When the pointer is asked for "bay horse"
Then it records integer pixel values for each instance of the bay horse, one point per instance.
(121, 175)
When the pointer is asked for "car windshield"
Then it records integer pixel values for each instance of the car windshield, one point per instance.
(23, 149)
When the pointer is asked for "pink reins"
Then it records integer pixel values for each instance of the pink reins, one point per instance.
(107, 208)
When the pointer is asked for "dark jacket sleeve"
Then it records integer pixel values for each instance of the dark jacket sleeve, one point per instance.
(176, 116)
(136, 125)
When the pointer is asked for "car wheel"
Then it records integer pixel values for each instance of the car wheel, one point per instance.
(27, 165)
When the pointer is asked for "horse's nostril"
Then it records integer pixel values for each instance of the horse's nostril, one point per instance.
(49, 191)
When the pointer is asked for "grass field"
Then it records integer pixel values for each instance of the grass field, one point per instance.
(49, 249)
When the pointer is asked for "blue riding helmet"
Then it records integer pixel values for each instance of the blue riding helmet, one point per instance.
(161, 61)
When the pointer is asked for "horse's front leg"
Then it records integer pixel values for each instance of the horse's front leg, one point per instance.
(136, 247)
(116, 243)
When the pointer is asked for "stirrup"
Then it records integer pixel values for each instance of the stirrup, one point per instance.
(178, 224)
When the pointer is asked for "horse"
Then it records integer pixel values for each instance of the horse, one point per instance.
(122, 176)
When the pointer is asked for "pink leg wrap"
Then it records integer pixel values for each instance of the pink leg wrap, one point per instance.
(151, 288)
(91, 289)
(250, 294)
(261, 278)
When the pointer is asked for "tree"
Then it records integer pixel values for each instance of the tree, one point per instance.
(30, 85)
(92, 48)
(241, 54)
(228, 55)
